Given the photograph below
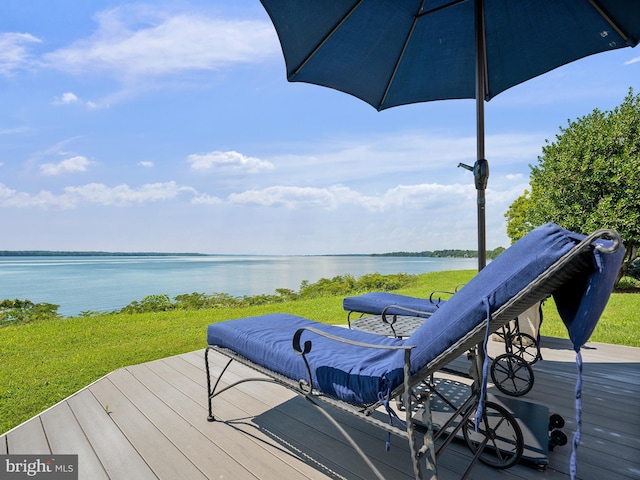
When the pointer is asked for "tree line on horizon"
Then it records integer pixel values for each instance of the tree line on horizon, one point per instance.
(447, 253)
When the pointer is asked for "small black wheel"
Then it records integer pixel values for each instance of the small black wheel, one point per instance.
(555, 421)
(499, 436)
(512, 375)
(557, 438)
(526, 347)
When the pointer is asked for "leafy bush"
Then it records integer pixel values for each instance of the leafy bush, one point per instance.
(150, 303)
(347, 284)
(628, 284)
(327, 287)
(375, 281)
(634, 269)
(25, 311)
(339, 285)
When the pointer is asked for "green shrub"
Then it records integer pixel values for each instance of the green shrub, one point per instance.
(628, 283)
(348, 284)
(25, 311)
(634, 269)
(325, 287)
(150, 303)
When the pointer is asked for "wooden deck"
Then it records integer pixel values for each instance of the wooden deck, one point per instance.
(149, 421)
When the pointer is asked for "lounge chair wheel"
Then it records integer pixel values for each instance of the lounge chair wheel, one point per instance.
(555, 421)
(498, 434)
(526, 347)
(557, 438)
(512, 375)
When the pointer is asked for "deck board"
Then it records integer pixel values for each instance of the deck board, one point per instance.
(148, 434)
(65, 436)
(118, 456)
(175, 388)
(29, 439)
(149, 421)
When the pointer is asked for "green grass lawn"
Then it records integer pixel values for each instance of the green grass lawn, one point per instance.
(42, 363)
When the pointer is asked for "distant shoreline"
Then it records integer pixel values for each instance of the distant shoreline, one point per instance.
(53, 253)
(64, 253)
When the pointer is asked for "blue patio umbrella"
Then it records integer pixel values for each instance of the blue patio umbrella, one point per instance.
(397, 52)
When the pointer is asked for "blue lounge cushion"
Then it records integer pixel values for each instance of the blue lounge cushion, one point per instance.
(581, 303)
(375, 302)
(348, 372)
(498, 282)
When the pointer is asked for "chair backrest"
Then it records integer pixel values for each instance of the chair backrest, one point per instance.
(531, 269)
(581, 303)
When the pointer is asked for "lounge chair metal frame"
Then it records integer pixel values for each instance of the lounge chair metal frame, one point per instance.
(511, 372)
(575, 262)
(398, 325)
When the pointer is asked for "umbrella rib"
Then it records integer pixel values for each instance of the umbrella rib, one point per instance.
(441, 7)
(324, 40)
(611, 22)
(404, 49)
(482, 56)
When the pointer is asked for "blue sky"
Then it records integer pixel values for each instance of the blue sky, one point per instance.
(170, 126)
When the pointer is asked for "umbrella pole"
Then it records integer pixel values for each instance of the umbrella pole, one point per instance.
(481, 167)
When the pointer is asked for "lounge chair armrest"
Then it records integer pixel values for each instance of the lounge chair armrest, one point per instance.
(436, 301)
(419, 313)
(307, 344)
(608, 235)
(303, 350)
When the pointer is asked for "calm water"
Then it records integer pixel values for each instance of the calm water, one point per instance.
(105, 283)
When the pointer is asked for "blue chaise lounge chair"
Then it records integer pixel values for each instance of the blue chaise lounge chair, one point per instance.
(399, 316)
(360, 372)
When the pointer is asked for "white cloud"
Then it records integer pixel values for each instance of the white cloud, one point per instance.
(514, 176)
(633, 60)
(133, 42)
(66, 99)
(69, 98)
(13, 52)
(424, 195)
(43, 199)
(230, 159)
(402, 196)
(14, 131)
(418, 155)
(146, 164)
(123, 195)
(293, 197)
(403, 200)
(6, 193)
(69, 165)
(93, 193)
(206, 199)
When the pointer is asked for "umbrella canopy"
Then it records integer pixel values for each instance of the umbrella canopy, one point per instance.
(391, 53)
(397, 52)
